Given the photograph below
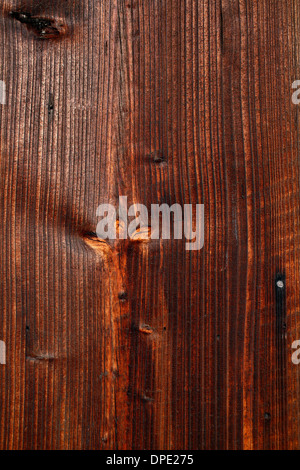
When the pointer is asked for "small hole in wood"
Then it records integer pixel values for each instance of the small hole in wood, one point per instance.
(123, 296)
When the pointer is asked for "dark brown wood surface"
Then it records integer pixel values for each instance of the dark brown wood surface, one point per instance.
(134, 345)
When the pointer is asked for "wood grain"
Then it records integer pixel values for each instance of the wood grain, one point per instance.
(132, 345)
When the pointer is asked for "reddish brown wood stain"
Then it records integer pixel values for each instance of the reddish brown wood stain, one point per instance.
(134, 345)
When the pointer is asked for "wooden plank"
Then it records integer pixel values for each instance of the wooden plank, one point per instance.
(135, 344)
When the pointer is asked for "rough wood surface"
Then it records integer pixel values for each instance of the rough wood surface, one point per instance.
(145, 345)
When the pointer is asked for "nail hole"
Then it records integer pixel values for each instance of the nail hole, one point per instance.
(147, 399)
(158, 157)
(50, 104)
(146, 329)
(123, 296)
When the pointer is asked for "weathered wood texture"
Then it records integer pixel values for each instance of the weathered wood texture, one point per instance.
(205, 86)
